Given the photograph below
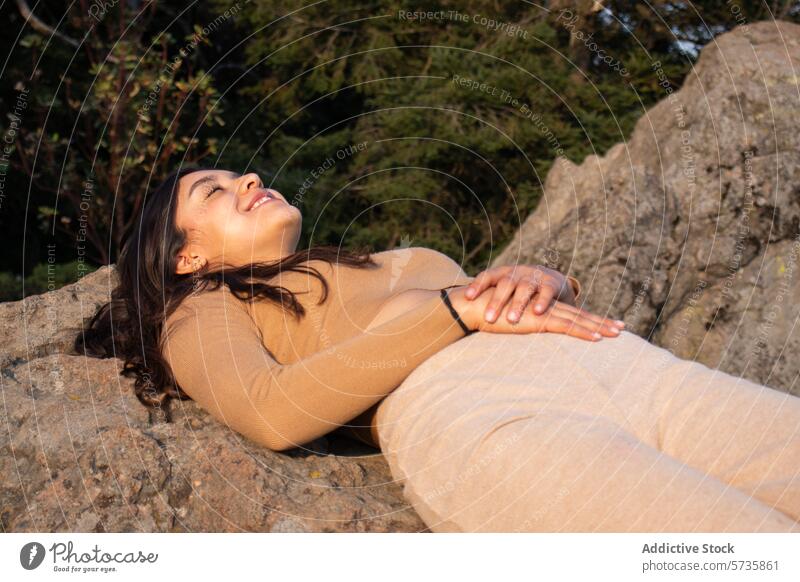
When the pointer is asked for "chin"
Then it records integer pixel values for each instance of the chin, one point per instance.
(295, 212)
(285, 214)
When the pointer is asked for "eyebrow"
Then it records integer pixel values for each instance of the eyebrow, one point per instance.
(203, 181)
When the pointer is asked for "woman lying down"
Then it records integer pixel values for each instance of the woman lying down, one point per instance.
(499, 405)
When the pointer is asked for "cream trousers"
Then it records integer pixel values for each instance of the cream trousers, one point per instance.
(548, 433)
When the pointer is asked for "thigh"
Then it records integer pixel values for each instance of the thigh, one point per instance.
(576, 473)
(565, 472)
(502, 433)
(742, 433)
(482, 381)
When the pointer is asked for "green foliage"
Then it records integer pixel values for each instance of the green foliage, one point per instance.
(447, 164)
(10, 286)
(44, 277)
(282, 90)
(117, 121)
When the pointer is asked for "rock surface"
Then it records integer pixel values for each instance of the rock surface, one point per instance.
(82, 454)
(690, 229)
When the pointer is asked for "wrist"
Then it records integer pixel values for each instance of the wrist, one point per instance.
(463, 306)
(570, 290)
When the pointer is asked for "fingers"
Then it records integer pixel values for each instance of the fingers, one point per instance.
(484, 280)
(567, 326)
(595, 324)
(522, 296)
(547, 293)
(615, 322)
(502, 291)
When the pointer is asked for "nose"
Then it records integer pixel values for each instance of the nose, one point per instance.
(249, 181)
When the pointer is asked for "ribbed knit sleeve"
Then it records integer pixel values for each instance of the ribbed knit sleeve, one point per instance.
(218, 358)
(576, 286)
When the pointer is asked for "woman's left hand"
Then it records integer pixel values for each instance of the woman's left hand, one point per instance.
(523, 281)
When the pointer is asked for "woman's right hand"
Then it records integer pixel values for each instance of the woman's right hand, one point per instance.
(559, 318)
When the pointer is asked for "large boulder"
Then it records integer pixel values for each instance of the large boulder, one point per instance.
(79, 453)
(690, 229)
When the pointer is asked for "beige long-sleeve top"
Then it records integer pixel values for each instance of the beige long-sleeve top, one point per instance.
(283, 381)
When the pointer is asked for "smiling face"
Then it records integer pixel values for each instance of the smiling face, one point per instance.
(232, 220)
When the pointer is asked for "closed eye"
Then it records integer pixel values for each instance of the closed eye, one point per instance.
(213, 189)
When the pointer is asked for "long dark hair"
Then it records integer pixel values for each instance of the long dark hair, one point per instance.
(130, 326)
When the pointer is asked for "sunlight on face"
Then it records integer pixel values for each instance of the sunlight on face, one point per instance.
(232, 220)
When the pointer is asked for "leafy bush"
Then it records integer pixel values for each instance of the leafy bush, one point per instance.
(44, 277)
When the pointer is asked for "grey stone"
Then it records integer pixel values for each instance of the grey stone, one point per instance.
(689, 231)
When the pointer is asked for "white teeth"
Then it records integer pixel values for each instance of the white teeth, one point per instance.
(261, 201)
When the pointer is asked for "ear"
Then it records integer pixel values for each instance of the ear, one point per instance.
(189, 263)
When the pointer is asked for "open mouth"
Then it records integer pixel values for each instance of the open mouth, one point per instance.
(260, 199)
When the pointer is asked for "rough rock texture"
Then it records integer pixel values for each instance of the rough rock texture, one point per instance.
(79, 453)
(690, 229)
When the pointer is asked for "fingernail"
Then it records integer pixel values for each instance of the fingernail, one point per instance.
(620, 323)
(615, 330)
(513, 316)
(539, 308)
(490, 315)
(470, 292)
(596, 335)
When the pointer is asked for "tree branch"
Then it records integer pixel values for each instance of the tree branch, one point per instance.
(39, 26)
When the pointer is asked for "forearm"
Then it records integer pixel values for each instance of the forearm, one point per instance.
(310, 398)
